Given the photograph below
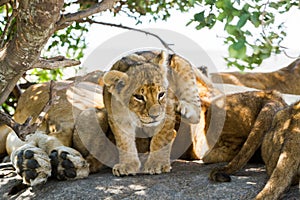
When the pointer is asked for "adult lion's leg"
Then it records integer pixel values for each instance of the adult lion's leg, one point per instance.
(261, 126)
(281, 153)
(287, 168)
(42, 156)
(93, 139)
(31, 163)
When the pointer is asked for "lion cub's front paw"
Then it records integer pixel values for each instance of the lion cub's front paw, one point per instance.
(189, 112)
(156, 167)
(32, 163)
(67, 163)
(125, 169)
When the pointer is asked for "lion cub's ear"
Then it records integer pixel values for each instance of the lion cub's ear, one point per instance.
(161, 59)
(115, 80)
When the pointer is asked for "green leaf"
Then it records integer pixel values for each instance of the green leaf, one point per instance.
(232, 30)
(211, 20)
(237, 50)
(222, 16)
(199, 17)
(254, 18)
(246, 7)
(210, 2)
(220, 4)
(243, 20)
(248, 33)
(192, 2)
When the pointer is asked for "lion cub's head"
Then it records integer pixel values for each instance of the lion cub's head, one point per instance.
(141, 86)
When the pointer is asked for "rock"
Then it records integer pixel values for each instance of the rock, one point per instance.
(188, 180)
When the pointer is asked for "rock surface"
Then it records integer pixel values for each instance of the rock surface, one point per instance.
(188, 180)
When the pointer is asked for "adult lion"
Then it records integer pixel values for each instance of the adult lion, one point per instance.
(285, 80)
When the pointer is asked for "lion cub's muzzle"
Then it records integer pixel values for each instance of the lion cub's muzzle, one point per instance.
(155, 111)
(154, 116)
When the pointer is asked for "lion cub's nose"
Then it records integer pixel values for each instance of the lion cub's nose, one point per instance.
(155, 111)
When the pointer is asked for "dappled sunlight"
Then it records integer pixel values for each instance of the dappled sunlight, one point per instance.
(115, 189)
(37, 91)
(85, 95)
(280, 76)
(256, 169)
(251, 183)
(296, 130)
(286, 124)
(136, 189)
(34, 98)
(281, 163)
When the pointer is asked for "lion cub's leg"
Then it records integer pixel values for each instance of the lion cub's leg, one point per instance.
(160, 149)
(43, 155)
(261, 126)
(129, 163)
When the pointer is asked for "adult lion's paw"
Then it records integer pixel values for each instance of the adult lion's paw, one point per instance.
(32, 163)
(125, 169)
(67, 163)
(189, 112)
(156, 167)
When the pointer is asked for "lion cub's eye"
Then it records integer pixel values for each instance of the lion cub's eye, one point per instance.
(161, 95)
(139, 97)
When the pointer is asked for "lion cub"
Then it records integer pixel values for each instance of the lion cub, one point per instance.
(141, 97)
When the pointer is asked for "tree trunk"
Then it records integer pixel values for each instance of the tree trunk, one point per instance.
(36, 22)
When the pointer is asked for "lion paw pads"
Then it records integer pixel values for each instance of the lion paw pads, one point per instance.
(32, 163)
(67, 163)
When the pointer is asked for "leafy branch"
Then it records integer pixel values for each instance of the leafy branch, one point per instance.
(246, 49)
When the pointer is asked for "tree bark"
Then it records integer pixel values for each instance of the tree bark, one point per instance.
(36, 22)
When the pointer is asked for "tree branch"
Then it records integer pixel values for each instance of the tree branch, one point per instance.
(2, 2)
(55, 62)
(22, 130)
(7, 26)
(166, 45)
(104, 5)
(35, 23)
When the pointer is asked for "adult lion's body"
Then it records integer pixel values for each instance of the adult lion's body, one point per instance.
(75, 98)
(285, 80)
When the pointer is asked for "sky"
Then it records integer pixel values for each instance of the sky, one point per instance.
(209, 40)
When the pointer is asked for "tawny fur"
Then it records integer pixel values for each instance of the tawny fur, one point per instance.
(285, 80)
(142, 93)
(281, 153)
